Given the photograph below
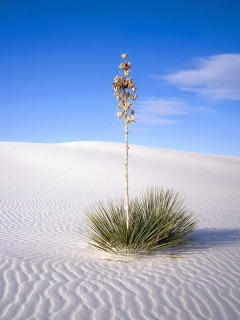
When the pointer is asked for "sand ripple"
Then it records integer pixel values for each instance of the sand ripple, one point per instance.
(47, 272)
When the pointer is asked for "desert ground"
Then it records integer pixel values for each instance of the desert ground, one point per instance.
(49, 272)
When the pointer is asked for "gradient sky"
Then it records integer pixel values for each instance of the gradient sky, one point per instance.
(58, 59)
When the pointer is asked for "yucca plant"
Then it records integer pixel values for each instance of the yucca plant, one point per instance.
(158, 219)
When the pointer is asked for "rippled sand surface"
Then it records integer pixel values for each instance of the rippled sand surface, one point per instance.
(48, 272)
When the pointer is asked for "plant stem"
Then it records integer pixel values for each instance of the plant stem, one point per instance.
(126, 173)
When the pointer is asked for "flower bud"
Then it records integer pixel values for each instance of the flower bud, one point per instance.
(134, 89)
(124, 56)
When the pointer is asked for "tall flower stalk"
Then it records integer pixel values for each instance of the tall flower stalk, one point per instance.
(124, 88)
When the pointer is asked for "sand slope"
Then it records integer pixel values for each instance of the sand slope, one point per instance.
(48, 272)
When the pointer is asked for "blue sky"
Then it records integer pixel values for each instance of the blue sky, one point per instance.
(58, 59)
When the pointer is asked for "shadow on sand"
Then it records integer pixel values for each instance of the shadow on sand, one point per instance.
(204, 239)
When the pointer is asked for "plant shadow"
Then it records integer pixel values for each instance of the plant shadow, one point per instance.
(205, 239)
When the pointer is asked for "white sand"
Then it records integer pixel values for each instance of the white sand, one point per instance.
(47, 272)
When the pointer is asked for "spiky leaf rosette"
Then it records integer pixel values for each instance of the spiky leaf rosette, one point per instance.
(158, 220)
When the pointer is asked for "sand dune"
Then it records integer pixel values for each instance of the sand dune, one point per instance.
(48, 272)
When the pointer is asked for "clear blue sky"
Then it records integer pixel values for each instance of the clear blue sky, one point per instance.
(58, 59)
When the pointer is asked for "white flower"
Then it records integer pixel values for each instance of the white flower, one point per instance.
(118, 78)
(125, 65)
(120, 114)
(118, 95)
(130, 119)
(126, 72)
(130, 83)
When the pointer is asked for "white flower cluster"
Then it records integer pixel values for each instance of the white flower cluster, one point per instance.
(124, 87)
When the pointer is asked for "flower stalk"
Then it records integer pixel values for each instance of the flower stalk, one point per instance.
(124, 88)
